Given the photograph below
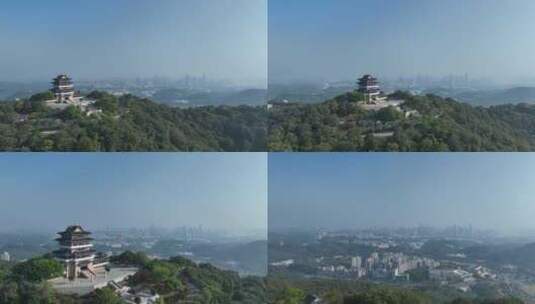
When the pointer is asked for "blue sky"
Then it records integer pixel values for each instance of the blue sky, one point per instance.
(340, 39)
(356, 190)
(122, 38)
(45, 192)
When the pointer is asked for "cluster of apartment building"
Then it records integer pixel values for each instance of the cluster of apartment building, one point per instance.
(460, 278)
(382, 266)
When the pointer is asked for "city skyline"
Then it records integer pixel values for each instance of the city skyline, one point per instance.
(222, 39)
(220, 191)
(356, 191)
(325, 40)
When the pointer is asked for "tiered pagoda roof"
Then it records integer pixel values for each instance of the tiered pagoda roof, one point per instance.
(62, 80)
(368, 84)
(62, 85)
(75, 244)
(368, 80)
(74, 233)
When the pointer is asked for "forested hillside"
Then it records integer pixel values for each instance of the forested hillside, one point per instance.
(176, 280)
(328, 291)
(441, 124)
(129, 123)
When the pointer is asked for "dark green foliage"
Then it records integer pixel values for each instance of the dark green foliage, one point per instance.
(179, 278)
(27, 293)
(37, 270)
(488, 301)
(163, 276)
(130, 258)
(42, 96)
(107, 103)
(176, 280)
(388, 114)
(285, 290)
(5, 268)
(216, 286)
(106, 296)
(129, 123)
(350, 97)
(443, 125)
(30, 107)
(71, 113)
(35, 104)
(387, 296)
(289, 295)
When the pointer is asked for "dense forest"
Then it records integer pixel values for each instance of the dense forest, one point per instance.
(328, 291)
(441, 124)
(177, 280)
(129, 123)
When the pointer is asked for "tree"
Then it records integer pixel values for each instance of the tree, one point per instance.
(86, 144)
(108, 104)
(131, 258)
(290, 295)
(141, 125)
(37, 293)
(43, 96)
(37, 269)
(9, 293)
(389, 114)
(369, 143)
(387, 296)
(106, 296)
(71, 113)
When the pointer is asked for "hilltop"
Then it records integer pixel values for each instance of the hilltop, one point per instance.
(129, 123)
(442, 124)
(174, 280)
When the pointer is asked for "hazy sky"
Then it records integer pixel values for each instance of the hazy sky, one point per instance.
(218, 190)
(124, 38)
(340, 39)
(336, 190)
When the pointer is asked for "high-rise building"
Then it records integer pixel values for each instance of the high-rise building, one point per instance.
(356, 262)
(5, 257)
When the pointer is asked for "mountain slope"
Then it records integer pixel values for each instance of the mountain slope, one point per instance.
(443, 124)
(129, 123)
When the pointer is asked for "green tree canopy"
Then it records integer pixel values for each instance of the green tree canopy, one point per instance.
(106, 296)
(38, 269)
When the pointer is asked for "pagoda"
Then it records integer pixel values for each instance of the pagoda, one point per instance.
(63, 89)
(369, 86)
(76, 253)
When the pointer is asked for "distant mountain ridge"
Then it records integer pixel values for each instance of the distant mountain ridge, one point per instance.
(169, 95)
(184, 97)
(523, 94)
